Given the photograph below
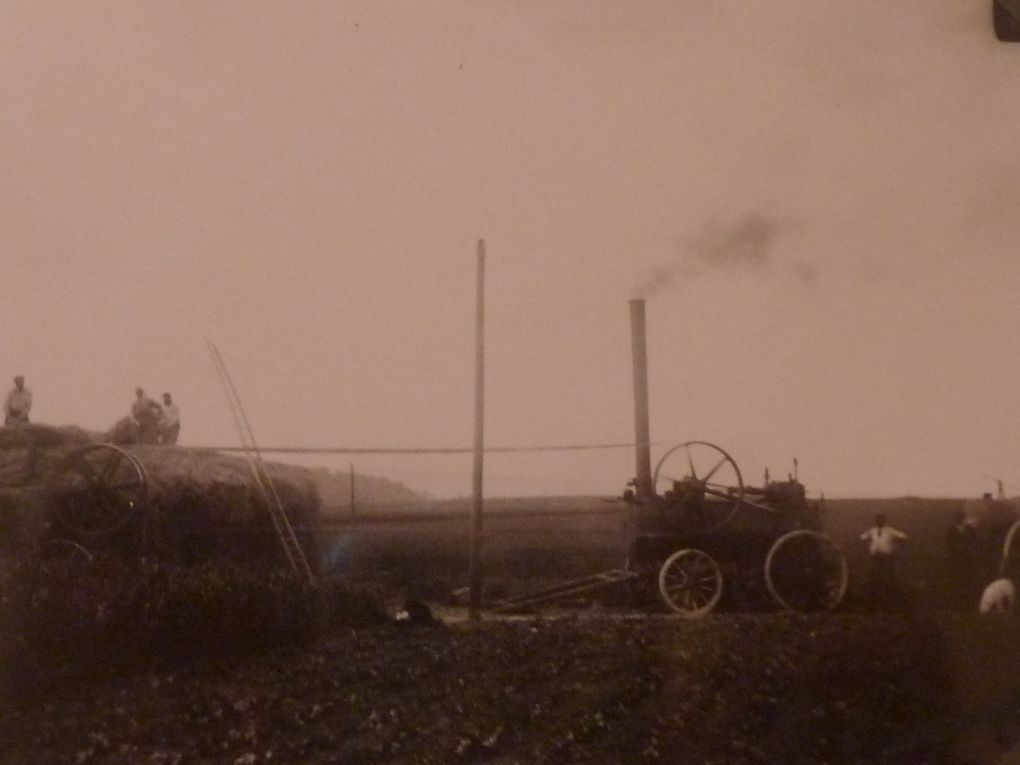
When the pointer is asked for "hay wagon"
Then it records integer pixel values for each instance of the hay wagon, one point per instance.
(67, 491)
(62, 491)
(701, 534)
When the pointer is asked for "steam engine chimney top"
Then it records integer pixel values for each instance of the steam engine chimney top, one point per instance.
(643, 476)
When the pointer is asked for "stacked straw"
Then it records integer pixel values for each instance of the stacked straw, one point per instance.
(201, 504)
(204, 504)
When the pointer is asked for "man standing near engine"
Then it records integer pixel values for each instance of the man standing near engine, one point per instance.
(883, 544)
(170, 422)
(18, 403)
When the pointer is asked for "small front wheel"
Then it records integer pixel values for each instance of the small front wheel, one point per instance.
(690, 583)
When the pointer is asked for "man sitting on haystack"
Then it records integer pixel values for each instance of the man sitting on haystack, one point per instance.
(146, 415)
(170, 422)
(18, 403)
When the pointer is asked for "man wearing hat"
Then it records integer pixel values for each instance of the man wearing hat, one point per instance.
(18, 403)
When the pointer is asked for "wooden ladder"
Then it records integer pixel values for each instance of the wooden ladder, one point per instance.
(292, 550)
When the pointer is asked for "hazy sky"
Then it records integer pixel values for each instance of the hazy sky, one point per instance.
(821, 202)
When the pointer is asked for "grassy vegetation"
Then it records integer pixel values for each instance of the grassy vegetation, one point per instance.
(427, 556)
(737, 687)
(531, 542)
(66, 617)
(62, 617)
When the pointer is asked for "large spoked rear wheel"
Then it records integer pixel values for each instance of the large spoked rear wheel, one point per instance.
(690, 583)
(702, 478)
(96, 490)
(806, 571)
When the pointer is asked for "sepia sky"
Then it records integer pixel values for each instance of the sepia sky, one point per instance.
(820, 202)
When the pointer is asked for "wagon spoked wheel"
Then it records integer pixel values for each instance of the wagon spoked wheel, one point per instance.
(690, 583)
(97, 489)
(806, 571)
(704, 480)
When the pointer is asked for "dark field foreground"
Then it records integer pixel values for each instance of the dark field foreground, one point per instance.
(734, 688)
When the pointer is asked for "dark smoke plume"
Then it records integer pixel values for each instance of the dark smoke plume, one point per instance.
(743, 243)
(746, 243)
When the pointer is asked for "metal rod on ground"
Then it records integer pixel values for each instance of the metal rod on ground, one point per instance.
(474, 563)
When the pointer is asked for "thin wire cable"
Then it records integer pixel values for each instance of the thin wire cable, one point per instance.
(422, 450)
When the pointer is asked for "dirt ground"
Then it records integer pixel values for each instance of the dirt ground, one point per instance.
(584, 688)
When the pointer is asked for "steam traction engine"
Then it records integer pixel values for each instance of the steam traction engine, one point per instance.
(702, 534)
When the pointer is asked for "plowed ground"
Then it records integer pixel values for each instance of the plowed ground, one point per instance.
(733, 688)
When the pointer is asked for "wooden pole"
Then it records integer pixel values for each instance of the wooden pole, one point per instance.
(352, 491)
(474, 563)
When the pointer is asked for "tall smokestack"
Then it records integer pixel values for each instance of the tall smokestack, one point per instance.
(643, 488)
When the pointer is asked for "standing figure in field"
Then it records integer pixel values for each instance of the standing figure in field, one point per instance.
(170, 422)
(883, 545)
(18, 403)
(996, 518)
(146, 414)
(963, 572)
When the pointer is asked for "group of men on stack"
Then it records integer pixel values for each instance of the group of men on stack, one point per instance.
(154, 423)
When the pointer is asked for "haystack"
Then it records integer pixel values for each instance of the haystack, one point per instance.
(200, 504)
(204, 504)
(29, 453)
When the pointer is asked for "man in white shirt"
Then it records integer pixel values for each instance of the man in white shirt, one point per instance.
(883, 544)
(882, 539)
(170, 422)
(18, 403)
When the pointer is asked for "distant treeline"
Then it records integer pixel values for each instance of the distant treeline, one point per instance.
(335, 490)
(432, 509)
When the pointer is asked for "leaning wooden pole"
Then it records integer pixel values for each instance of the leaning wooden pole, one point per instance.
(474, 562)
